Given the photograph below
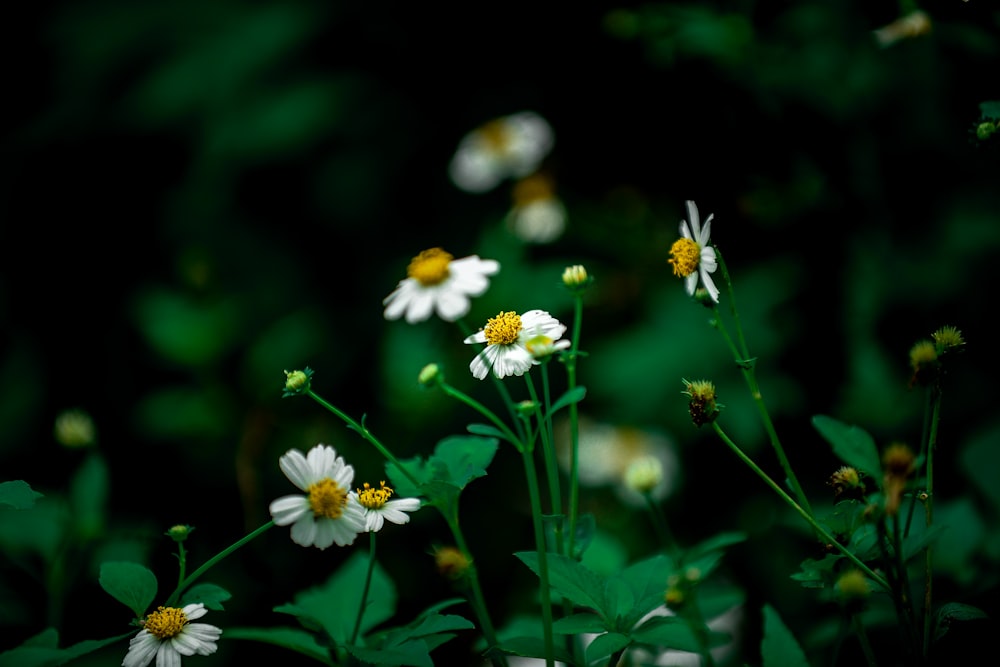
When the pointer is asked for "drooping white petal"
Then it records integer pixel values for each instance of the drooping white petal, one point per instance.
(166, 656)
(304, 531)
(289, 509)
(141, 650)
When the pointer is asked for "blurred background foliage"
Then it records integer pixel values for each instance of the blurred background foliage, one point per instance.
(198, 196)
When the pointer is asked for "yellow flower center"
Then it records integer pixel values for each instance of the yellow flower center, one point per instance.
(503, 329)
(536, 187)
(327, 499)
(430, 267)
(496, 135)
(165, 622)
(684, 257)
(373, 498)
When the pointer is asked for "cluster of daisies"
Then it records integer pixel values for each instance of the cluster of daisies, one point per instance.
(329, 511)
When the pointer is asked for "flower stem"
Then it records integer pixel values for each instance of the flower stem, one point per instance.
(549, 454)
(798, 508)
(483, 410)
(574, 424)
(935, 400)
(364, 591)
(747, 366)
(543, 561)
(866, 647)
(365, 433)
(190, 579)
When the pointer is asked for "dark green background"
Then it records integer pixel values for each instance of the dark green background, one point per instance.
(198, 196)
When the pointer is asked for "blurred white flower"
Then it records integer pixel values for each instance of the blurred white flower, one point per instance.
(911, 25)
(537, 215)
(507, 147)
(437, 282)
(607, 453)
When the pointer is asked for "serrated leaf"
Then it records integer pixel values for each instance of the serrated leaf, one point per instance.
(779, 648)
(571, 580)
(131, 584)
(18, 494)
(852, 445)
(647, 580)
(955, 612)
(210, 595)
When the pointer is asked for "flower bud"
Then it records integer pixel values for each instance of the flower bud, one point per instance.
(75, 428)
(703, 406)
(451, 563)
(430, 375)
(575, 277)
(179, 533)
(297, 382)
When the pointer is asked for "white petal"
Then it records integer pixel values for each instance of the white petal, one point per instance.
(166, 656)
(304, 531)
(421, 305)
(296, 469)
(194, 610)
(710, 285)
(510, 360)
(694, 220)
(452, 305)
(478, 337)
(374, 521)
(323, 461)
(141, 650)
(691, 282)
(708, 260)
(399, 299)
(706, 232)
(479, 365)
(289, 509)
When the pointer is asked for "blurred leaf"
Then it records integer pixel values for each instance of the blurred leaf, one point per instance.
(990, 110)
(579, 624)
(89, 497)
(955, 612)
(130, 583)
(42, 650)
(18, 494)
(852, 444)
(779, 648)
(294, 639)
(184, 330)
(980, 460)
(529, 646)
(210, 595)
(413, 653)
(185, 412)
(39, 530)
(647, 581)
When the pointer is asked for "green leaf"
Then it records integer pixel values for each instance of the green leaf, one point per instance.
(606, 644)
(576, 624)
(294, 639)
(955, 612)
(852, 444)
(413, 653)
(713, 544)
(42, 650)
(779, 647)
(18, 494)
(210, 595)
(333, 607)
(130, 583)
(647, 581)
(571, 580)
(990, 109)
(574, 395)
(533, 647)
(673, 632)
(487, 431)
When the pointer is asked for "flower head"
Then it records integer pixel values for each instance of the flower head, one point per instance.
(437, 282)
(507, 336)
(538, 215)
(898, 462)
(691, 255)
(510, 146)
(379, 509)
(330, 511)
(75, 428)
(703, 407)
(575, 278)
(168, 633)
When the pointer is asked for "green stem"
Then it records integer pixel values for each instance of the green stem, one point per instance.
(543, 561)
(476, 598)
(935, 399)
(364, 591)
(366, 434)
(549, 454)
(483, 410)
(748, 367)
(798, 508)
(190, 579)
(866, 647)
(574, 425)
(181, 562)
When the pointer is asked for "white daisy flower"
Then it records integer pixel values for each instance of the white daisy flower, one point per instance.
(168, 633)
(437, 282)
(538, 215)
(379, 509)
(329, 512)
(507, 337)
(692, 257)
(511, 146)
